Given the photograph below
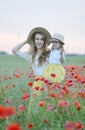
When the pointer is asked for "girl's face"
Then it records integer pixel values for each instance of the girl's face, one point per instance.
(56, 45)
(39, 42)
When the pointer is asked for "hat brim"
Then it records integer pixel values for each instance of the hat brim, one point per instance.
(39, 30)
(55, 40)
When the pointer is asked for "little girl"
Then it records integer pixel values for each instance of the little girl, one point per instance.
(55, 71)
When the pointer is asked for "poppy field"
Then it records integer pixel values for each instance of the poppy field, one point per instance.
(58, 106)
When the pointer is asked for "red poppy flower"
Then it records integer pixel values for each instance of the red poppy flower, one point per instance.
(42, 79)
(13, 85)
(69, 126)
(41, 104)
(60, 103)
(42, 89)
(50, 108)
(25, 96)
(2, 112)
(78, 125)
(53, 94)
(37, 88)
(53, 75)
(77, 105)
(46, 81)
(66, 103)
(7, 101)
(30, 84)
(24, 91)
(10, 111)
(13, 126)
(16, 75)
(30, 125)
(45, 121)
(21, 108)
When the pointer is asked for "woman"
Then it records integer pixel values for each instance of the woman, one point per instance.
(38, 39)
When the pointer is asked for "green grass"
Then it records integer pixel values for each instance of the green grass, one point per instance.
(75, 60)
(11, 62)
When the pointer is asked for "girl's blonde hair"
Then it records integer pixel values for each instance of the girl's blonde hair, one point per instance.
(44, 50)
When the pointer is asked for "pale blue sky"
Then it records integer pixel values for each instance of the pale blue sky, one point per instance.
(18, 17)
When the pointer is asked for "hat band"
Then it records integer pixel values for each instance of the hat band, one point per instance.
(55, 39)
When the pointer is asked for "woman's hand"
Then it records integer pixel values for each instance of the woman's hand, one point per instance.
(62, 54)
(61, 50)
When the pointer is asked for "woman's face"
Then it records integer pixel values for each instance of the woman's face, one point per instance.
(39, 42)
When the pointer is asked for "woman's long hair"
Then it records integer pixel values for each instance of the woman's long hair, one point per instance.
(44, 50)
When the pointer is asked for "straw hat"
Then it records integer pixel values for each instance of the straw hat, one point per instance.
(39, 30)
(57, 37)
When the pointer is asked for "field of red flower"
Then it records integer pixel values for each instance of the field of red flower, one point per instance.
(57, 107)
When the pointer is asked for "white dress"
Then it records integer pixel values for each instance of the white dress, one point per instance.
(38, 70)
(54, 57)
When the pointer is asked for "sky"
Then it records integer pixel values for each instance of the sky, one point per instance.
(18, 17)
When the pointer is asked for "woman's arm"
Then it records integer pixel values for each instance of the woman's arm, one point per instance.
(18, 47)
(24, 55)
(62, 55)
(62, 58)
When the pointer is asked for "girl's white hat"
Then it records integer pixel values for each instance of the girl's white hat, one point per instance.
(57, 37)
(39, 30)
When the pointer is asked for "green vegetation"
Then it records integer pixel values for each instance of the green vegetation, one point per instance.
(56, 109)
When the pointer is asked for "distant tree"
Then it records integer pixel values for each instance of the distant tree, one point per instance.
(3, 53)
